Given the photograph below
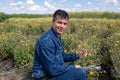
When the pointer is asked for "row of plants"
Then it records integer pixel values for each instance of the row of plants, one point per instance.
(99, 36)
(40, 25)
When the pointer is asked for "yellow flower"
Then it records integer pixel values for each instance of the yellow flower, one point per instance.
(2, 35)
(26, 44)
(91, 61)
(65, 50)
(116, 44)
(72, 50)
(79, 46)
(119, 61)
(85, 44)
(89, 54)
(117, 41)
(91, 73)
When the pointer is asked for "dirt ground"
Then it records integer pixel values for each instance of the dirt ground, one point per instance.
(9, 72)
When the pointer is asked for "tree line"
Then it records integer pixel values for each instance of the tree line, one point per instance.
(108, 15)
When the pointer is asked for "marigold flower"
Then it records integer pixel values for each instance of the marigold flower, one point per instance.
(91, 73)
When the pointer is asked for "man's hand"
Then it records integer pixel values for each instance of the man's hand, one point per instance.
(81, 52)
(77, 66)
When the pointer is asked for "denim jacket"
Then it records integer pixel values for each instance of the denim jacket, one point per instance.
(49, 56)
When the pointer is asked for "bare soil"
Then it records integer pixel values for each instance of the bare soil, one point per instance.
(9, 72)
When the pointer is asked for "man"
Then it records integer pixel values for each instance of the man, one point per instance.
(49, 56)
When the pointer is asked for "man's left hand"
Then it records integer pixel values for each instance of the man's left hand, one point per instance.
(81, 52)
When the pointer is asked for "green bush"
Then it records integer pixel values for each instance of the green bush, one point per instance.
(8, 42)
(70, 42)
(23, 54)
(18, 47)
(3, 17)
(107, 53)
(114, 43)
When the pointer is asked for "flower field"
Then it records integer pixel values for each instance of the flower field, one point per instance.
(101, 38)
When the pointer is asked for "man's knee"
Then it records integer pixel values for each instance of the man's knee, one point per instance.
(81, 72)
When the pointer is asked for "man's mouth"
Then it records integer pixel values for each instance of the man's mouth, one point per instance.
(60, 29)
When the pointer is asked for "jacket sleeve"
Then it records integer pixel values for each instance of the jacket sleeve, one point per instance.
(69, 57)
(48, 59)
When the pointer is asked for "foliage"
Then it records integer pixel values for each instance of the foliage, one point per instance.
(18, 47)
(3, 17)
(86, 14)
(23, 53)
(109, 42)
(29, 26)
(8, 41)
(96, 35)
(69, 42)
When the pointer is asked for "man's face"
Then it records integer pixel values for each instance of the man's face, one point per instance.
(59, 25)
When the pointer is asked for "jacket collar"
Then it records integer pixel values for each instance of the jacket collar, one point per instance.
(54, 35)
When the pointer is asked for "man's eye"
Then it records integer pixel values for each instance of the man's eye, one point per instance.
(65, 23)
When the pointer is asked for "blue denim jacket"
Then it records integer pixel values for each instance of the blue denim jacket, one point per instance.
(49, 56)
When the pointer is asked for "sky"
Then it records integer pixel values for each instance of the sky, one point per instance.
(49, 6)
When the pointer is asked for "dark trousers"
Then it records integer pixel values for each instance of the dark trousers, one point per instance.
(73, 74)
(39, 79)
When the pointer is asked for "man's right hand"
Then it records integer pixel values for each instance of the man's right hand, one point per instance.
(77, 66)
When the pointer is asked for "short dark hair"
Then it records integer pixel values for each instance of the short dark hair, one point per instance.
(61, 13)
